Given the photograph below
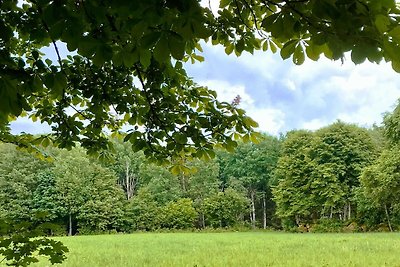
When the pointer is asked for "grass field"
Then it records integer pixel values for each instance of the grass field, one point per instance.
(233, 249)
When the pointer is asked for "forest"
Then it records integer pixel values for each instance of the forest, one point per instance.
(341, 177)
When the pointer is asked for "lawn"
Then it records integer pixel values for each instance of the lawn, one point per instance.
(233, 249)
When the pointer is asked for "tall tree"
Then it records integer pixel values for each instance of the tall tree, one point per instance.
(202, 183)
(251, 166)
(391, 123)
(318, 172)
(70, 170)
(292, 177)
(127, 166)
(18, 172)
(342, 151)
(381, 184)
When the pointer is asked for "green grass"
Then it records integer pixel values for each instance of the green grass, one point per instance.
(233, 249)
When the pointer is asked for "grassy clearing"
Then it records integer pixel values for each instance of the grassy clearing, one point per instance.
(233, 249)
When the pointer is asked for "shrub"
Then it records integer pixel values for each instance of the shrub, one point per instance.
(178, 214)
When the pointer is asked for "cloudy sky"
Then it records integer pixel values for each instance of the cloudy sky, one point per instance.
(281, 96)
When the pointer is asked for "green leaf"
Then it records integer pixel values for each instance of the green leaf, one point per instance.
(56, 30)
(87, 46)
(118, 58)
(250, 122)
(288, 49)
(103, 54)
(161, 51)
(175, 169)
(37, 83)
(180, 138)
(35, 54)
(60, 82)
(313, 51)
(145, 58)
(382, 22)
(239, 47)
(396, 66)
(198, 57)
(130, 57)
(395, 33)
(298, 56)
(176, 46)
(255, 138)
(391, 50)
(229, 49)
(149, 40)
(269, 22)
(224, 3)
(265, 45)
(273, 47)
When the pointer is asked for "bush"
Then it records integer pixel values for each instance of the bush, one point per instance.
(178, 214)
(143, 212)
(328, 226)
(224, 209)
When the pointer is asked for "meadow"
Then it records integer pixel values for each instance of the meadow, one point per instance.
(233, 249)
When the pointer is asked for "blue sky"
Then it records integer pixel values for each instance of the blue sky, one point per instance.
(281, 96)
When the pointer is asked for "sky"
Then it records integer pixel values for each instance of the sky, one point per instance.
(281, 96)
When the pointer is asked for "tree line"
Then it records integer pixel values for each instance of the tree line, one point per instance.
(340, 177)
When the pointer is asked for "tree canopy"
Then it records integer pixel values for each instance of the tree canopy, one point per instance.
(125, 71)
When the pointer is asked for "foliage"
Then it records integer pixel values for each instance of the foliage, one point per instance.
(318, 172)
(19, 243)
(122, 69)
(224, 208)
(250, 170)
(160, 182)
(293, 174)
(328, 226)
(369, 215)
(391, 123)
(46, 198)
(126, 164)
(179, 214)
(103, 209)
(124, 65)
(17, 178)
(381, 183)
(143, 211)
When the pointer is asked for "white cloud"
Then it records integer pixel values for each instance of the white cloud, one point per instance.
(314, 124)
(308, 96)
(227, 92)
(212, 4)
(269, 119)
(24, 124)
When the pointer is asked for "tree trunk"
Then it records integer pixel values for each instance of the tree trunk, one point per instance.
(297, 218)
(130, 182)
(264, 212)
(345, 212)
(388, 219)
(349, 216)
(183, 183)
(253, 210)
(70, 224)
(331, 215)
